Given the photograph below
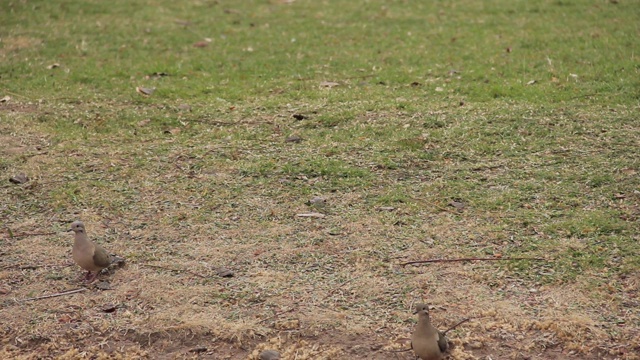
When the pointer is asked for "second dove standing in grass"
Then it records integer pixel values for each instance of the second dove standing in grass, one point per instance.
(427, 342)
(89, 255)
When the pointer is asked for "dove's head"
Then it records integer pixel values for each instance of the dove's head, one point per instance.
(422, 310)
(77, 227)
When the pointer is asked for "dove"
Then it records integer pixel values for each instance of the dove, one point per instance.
(89, 255)
(427, 342)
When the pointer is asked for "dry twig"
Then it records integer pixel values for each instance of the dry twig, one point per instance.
(14, 236)
(54, 295)
(470, 259)
(456, 325)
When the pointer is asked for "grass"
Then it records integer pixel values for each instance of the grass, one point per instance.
(525, 113)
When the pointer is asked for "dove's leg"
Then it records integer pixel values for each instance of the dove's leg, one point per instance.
(91, 278)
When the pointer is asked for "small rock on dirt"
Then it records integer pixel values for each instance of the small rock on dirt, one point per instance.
(184, 107)
(224, 272)
(293, 139)
(19, 179)
(198, 349)
(109, 308)
(269, 355)
(317, 202)
(103, 285)
(457, 204)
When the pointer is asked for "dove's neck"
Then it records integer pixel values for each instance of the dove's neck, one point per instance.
(424, 321)
(81, 240)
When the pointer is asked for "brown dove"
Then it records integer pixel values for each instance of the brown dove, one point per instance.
(89, 255)
(427, 342)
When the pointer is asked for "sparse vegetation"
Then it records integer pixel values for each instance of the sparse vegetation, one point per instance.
(433, 129)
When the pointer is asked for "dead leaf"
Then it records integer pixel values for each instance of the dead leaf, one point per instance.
(174, 131)
(532, 82)
(386, 208)
(184, 107)
(53, 66)
(329, 84)
(182, 22)
(145, 91)
(198, 349)
(312, 215)
(144, 122)
(619, 196)
(19, 179)
(201, 44)
(5, 99)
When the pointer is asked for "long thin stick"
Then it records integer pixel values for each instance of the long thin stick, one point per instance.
(33, 267)
(470, 259)
(13, 236)
(176, 270)
(456, 325)
(55, 295)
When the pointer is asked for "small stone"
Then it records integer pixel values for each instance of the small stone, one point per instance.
(19, 179)
(184, 107)
(293, 139)
(199, 349)
(224, 272)
(317, 202)
(103, 285)
(269, 355)
(109, 308)
(457, 204)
